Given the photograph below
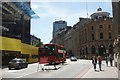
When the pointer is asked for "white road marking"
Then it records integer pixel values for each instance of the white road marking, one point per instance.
(26, 75)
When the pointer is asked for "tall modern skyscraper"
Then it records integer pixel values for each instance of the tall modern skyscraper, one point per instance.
(58, 26)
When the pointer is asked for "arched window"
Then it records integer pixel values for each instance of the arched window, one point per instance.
(93, 38)
(101, 35)
(110, 35)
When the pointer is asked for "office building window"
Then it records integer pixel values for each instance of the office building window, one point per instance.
(101, 35)
(92, 28)
(109, 26)
(100, 26)
(110, 35)
(93, 37)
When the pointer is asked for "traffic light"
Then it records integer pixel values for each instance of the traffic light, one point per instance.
(53, 49)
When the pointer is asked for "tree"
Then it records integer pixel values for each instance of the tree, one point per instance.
(39, 44)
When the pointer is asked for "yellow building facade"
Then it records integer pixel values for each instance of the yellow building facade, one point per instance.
(12, 48)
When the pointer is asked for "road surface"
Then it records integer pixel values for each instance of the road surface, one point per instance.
(71, 69)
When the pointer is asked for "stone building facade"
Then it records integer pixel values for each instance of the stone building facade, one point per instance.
(90, 36)
(59, 39)
(60, 36)
(68, 41)
(35, 40)
(94, 36)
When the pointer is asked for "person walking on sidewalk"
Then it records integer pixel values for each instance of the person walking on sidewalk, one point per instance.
(111, 60)
(99, 62)
(107, 59)
(94, 62)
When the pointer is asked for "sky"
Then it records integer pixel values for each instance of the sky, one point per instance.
(70, 11)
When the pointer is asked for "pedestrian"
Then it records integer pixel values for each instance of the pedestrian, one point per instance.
(107, 59)
(111, 60)
(94, 62)
(99, 62)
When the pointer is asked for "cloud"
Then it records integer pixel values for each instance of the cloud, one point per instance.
(48, 10)
(54, 10)
(43, 15)
(35, 6)
(59, 13)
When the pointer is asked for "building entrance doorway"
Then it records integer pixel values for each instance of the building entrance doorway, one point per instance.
(101, 50)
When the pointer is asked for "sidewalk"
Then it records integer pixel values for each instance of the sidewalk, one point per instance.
(108, 72)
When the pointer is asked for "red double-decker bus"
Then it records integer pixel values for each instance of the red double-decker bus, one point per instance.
(52, 54)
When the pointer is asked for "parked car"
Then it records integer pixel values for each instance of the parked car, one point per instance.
(73, 58)
(17, 63)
